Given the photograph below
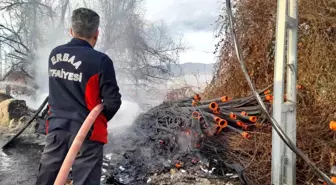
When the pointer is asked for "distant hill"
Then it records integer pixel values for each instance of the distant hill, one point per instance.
(177, 70)
(192, 68)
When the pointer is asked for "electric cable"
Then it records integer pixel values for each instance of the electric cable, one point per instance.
(274, 123)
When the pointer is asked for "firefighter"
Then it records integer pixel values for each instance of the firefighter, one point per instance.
(79, 79)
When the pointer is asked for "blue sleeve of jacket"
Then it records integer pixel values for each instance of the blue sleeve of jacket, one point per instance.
(109, 88)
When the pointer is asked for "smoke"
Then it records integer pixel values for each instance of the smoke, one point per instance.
(53, 38)
(128, 111)
(124, 118)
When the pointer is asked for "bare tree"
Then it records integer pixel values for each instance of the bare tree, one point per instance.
(20, 34)
(143, 52)
(23, 28)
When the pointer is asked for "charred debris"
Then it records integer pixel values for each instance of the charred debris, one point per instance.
(186, 135)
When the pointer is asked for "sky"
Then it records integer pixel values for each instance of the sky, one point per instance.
(192, 18)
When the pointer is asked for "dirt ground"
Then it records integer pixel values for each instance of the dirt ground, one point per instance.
(19, 165)
(180, 178)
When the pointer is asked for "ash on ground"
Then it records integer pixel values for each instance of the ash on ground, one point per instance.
(161, 148)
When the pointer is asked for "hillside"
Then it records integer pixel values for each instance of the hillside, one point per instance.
(316, 73)
(192, 68)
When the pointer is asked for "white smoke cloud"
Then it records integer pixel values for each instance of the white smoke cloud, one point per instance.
(53, 38)
(125, 116)
(128, 111)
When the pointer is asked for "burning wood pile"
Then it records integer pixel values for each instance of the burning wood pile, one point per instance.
(185, 135)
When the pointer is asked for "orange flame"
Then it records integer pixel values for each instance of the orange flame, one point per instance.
(178, 165)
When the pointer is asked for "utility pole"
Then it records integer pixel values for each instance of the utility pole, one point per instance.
(284, 111)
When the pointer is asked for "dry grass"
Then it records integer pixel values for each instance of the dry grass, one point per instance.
(180, 93)
(255, 25)
(4, 115)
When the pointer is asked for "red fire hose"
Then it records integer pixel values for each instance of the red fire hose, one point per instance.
(76, 145)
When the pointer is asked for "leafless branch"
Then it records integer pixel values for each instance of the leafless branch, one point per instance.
(14, 41)
(11, 5)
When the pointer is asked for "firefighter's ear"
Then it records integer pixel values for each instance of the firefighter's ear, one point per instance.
(71, 32)
(95, 37)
